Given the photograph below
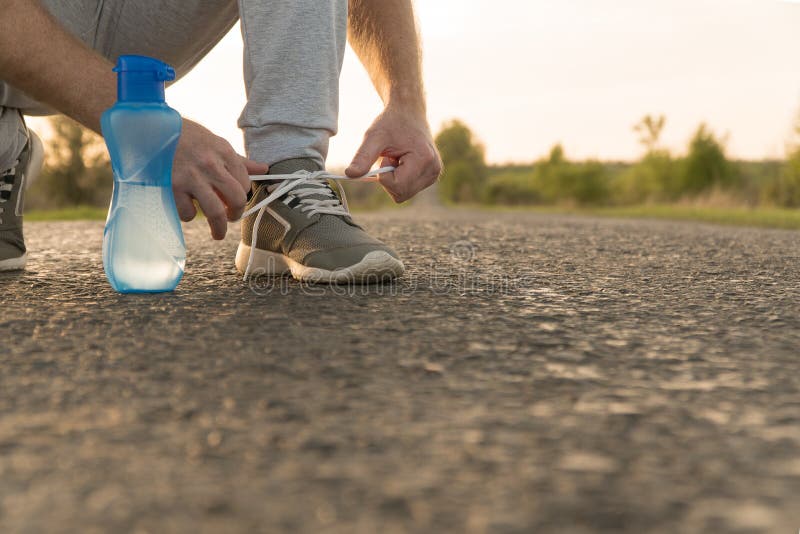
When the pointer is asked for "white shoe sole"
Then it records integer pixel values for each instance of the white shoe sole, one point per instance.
(14, 264)
(375, 266)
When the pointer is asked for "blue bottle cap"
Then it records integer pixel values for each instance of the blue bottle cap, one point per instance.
(142, 78)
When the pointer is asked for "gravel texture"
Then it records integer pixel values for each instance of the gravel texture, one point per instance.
(530, 373)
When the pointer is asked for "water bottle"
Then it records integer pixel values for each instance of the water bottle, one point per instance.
(143, 247)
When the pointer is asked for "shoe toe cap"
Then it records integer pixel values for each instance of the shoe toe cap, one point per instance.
(347, 257)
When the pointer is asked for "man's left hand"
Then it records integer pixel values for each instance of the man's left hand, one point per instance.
(402, 139)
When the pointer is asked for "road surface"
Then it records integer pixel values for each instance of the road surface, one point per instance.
(530, 373)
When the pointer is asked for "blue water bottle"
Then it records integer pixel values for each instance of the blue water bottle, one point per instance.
(143, 247)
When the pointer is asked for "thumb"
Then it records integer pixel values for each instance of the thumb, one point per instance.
(366, 155)
(254, 167)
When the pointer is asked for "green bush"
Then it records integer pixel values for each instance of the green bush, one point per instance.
(554, 180)
(704, 175)
(705, 166)
(77, 171)
(465, 170)
(462, 182)
(561, 181)
(513, 188)
(653, 178)
(650, 180)
(758, 182)
(785, 189)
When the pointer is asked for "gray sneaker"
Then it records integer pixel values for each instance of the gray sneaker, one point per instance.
(13, 181)
(309, 233)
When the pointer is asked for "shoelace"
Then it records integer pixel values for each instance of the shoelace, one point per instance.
(293, 183)
(6, 186)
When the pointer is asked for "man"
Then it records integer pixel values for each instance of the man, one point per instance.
(57, 55)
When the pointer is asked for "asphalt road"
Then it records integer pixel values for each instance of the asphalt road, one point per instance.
(530, 373)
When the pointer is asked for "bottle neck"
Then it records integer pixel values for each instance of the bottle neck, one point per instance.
(139, 87)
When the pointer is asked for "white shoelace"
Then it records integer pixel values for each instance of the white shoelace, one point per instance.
(293, 184)
(6, 187)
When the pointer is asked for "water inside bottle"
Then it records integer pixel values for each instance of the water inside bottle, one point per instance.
(144, 232)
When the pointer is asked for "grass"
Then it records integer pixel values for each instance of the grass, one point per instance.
(80, 213)
(764, 217)
(760, 217)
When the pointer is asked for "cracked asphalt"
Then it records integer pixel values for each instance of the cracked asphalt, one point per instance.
(530, 373)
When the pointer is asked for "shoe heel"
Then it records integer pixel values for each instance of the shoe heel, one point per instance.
(265, 263)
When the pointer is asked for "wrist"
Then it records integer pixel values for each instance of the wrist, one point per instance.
(408, 100)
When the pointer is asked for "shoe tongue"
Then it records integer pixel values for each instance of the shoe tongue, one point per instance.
(291, 166)
(325, 190)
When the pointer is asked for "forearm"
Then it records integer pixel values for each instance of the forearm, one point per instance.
(383, 33)
(42, 59)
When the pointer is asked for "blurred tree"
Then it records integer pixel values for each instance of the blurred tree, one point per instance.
(556, 156)
(513, 188)
(705, 165)
(559, 180)
(785, 191)
(790, 182)
(653, 178)
(464, 160)
(77, 170)
(548, 174)
(649, 130)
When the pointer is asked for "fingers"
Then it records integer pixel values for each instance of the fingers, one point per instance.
(253, 167)
(208, 169)
(388, 179)
(231, 187)
(186, 208)
(405, 142)
(214, 210)
(402, 185)
(232, 194)
(415, 171)
(366, 155)
(433, 170)
(242, 168)
(236, 168)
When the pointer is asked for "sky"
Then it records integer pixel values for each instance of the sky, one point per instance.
(525, 74)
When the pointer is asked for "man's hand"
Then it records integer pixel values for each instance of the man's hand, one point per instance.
(64, 73)
(208, 169)
(402, 139)
(384, 36)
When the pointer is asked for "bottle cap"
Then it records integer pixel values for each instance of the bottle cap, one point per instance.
(142, 78)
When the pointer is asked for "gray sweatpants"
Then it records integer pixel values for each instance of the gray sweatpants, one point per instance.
(292, 60)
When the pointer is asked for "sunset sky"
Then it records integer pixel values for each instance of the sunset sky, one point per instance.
(525, 74)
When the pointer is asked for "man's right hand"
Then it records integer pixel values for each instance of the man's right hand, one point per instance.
(208, 169)
(62, 72)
